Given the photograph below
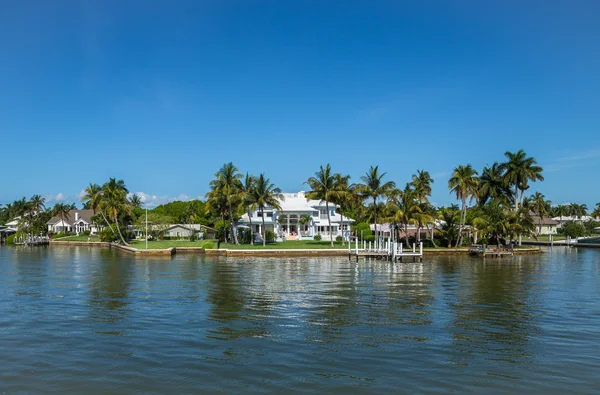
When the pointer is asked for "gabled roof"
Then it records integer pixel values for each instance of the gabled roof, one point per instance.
(545, 220)
(86, 215)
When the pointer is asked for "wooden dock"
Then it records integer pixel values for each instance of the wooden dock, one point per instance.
(490, 251)
(33, 241)
(386, 250)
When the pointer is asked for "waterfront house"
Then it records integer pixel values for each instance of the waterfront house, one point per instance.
(548, 225)
(566, 219)
(300, 218)
(183, 230)
(77, 221)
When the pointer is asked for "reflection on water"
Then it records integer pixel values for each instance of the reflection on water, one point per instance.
(191, 323)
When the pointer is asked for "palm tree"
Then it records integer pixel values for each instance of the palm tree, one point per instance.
(373, 188)
(265, 194)
(247, 189)
(305, 219)
(421, 183)
(518, 171)
(136, 201)
(91, 196)
(519, 223)
(463, 183)
(324, 188)
(492, 222)
(343, 197)
(405, 208)
(539, 206)
(577, 210)
(20, 207)
(561, 211)
(492, 185)
(596, 212)
(114, 202)
(36, 204)
(449, 229)
(61, 210)
(228, 184)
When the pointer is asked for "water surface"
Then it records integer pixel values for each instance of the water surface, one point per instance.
(81, 320)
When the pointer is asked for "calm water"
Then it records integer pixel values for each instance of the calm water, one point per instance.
(75, 320)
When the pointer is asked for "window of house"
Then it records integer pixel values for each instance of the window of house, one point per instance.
(270, 214)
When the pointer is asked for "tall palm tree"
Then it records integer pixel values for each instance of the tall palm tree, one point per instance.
(227, 184)
(266, 194)
(36, 204)
(464, 184)
(343, 197)
(539, 206)
(561, 211)
(374, 187)
(20, 207)
(92, 196)
(518, 171)
(421, 183)
(492, 185)
(577, 210)
(405, 208)
(247, 190)
(61, 210)
(136, 201)
(450, 223)
(324, 188)
(114, 202)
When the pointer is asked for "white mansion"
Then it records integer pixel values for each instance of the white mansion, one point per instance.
(293, 222)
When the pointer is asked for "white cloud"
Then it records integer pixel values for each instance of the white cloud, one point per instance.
(154, 200)
(59, 197)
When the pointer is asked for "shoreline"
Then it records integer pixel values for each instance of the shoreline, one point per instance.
(258, 252)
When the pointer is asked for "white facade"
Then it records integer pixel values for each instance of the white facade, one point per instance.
(77, 221)
(299, 218)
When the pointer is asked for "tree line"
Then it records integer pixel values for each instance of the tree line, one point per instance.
(493, 204)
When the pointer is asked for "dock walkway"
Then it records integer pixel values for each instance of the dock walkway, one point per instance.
(386, 250)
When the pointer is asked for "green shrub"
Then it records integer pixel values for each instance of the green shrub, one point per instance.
(86, 232)
(244, 235)
(317, 237)
(338, 239)
(270, 236)
(11, 239)
(221, 227)
(573, 229)
(107, 234)
(363, 230)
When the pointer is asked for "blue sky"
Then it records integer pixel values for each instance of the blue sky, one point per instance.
(162, 93)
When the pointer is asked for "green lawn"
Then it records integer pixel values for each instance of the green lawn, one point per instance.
(78, 238)
(286, 245)
(546, 238)
(162, 244)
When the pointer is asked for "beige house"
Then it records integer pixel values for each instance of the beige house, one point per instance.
(548, 225)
